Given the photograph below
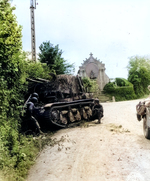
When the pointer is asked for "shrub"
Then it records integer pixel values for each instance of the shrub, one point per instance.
(36, 70)
(122, 82)
(16, 151)
(121, 89)
(138, 74)
(91, 86)
(87, 84)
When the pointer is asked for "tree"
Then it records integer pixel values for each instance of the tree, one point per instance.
(11, 88)
(52, 56)
(16, 151)
(10, 44)
(11, 58)
(139, 74)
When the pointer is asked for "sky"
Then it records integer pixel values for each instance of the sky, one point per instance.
(113, 30)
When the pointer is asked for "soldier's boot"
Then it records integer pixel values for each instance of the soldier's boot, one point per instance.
(99, 117)
(99, 121)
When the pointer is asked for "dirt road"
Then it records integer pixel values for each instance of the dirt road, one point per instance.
(115, 150)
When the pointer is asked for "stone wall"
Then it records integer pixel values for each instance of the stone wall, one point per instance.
(94, 69)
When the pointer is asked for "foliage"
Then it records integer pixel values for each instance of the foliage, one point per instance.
(121, 89)
(36, 70)
(11, 59)
(95, 87)
(90, 85)
(19, 157)
(121, 82)
(87, 83)
(139, 74)
(10, 45)
(16, 151)
(52, 56)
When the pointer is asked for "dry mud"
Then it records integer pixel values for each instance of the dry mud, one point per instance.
(115, 150)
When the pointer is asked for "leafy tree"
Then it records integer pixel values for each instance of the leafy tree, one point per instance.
(12, 77)
(139, 74)
(52, 56)
(35, 69)
(10, 44)
(11, 57)
(16, 151)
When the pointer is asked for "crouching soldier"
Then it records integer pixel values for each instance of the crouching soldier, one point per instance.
(97, 111)
(31, 114)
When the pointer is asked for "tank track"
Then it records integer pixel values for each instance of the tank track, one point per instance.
(65, 113)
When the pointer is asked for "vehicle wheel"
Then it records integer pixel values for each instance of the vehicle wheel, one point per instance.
(146, 128)
(139, 117)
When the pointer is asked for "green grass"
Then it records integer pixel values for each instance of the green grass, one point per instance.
(30, 148)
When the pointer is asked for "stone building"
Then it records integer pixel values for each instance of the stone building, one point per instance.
(94, 69)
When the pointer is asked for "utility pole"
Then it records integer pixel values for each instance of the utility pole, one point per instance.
(33, 45)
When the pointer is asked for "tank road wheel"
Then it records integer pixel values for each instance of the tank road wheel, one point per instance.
(146, 128)
(71, 116)
(84, 115)
(55, 116)
(63, 119)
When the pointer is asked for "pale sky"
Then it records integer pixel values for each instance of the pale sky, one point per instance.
(113, 30)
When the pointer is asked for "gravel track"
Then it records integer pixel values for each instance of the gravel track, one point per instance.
(115, 150)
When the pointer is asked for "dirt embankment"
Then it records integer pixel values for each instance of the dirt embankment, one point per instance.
(115, 150)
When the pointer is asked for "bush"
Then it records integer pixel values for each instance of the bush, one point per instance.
(138, 74)
(121, 89)
(87, 84)
(36, 70)
(90, 85)
(122, 82)
(17, 154)
(16, 151)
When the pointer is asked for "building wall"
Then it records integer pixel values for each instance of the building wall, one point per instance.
(94, 69)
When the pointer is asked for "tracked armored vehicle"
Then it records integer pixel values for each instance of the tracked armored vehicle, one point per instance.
(63, 101)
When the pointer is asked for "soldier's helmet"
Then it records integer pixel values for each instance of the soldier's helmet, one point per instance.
(96, 101)
(35, 95)
(34, 100)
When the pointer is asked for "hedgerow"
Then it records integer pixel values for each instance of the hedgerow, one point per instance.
(17, 152)
(121, 89)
